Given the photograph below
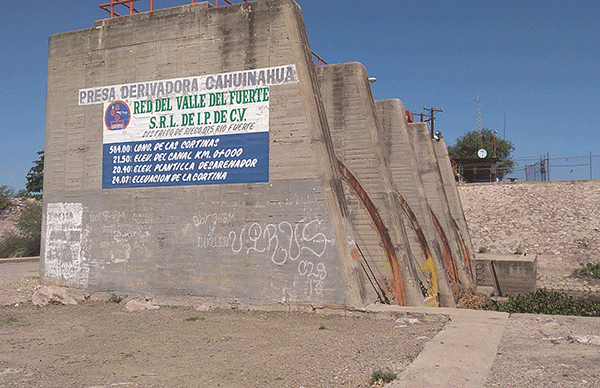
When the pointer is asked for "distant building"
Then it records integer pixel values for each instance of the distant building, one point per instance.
(474, 170)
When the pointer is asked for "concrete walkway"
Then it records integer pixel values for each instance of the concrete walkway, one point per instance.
(20, 265)
(461, 355)
(491, 349)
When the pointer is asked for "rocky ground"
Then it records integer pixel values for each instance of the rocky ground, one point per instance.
(557, 221)
(541, 351)
(8, 220)
(97, 343)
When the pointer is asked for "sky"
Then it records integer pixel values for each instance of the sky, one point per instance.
(535, 66)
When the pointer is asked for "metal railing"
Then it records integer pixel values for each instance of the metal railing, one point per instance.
(128, 4)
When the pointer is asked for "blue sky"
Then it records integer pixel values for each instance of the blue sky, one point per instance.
(538, 62)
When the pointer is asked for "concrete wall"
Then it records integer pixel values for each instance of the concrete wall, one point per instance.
(403, 165)
(353, 121)
(429, 171)
(454, 203)
(189, 154)
(507, 274)
(284, 239)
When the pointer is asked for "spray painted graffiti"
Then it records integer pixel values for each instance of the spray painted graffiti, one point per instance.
(283, 243)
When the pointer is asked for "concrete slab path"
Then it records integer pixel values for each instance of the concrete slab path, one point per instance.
(461, 355)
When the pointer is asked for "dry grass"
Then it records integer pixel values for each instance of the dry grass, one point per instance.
(470, 299)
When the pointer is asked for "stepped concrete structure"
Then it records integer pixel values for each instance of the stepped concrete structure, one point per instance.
(454, 204)
(354, 128)
(429, 171)
(189, 154)
(411, 195)
(223, 183)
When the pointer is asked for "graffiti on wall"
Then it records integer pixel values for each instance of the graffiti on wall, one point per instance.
(65, 242)
(299, 245)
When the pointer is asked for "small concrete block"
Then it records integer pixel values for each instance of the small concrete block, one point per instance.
(513, 274)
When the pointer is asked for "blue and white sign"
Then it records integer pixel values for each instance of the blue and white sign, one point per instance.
(190, 131)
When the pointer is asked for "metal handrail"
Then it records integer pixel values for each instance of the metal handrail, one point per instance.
(110, 8)
(319, 59)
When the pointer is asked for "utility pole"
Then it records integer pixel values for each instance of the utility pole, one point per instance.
(479, 122)
(504, 125)
(431, 112)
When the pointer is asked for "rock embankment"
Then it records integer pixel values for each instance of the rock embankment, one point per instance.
(558, 221)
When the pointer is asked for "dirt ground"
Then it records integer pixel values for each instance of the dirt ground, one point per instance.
(100, 344)
(540, 351)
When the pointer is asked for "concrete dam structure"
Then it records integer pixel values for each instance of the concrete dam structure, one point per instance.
(198, 152)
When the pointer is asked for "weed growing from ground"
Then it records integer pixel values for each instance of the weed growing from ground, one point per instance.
(588, 271)
(193, 319)
(380, 377)
(9, 320)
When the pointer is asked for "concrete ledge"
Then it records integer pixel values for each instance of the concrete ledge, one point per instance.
(12, 260)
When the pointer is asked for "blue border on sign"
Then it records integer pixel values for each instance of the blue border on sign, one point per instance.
(206, 160)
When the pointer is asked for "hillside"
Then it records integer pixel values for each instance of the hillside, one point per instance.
(559, 221)
(8, 225)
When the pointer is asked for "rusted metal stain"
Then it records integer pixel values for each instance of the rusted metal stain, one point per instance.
(447, 256)
(464, 249)
(427, 269)
(397, 284)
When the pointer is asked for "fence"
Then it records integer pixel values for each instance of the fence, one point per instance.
(559, 168)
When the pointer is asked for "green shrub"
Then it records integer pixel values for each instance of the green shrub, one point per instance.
(588, 271)
(546, 302)
(379, 376)
(27, 243)
(8, 247)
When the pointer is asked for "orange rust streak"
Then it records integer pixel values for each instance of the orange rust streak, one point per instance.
(397, 285)
(415, 225)
(447, 257)
(464, 248)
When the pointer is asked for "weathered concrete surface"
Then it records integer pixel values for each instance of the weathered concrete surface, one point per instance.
(354, 129)
(558, 221)
(491, 349)
(454, 204)
(403, 165)
(429, 171)
(286, 240)
(508, 274)
(461, 355)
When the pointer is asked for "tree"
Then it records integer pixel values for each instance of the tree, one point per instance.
(35, 178)
(466, 147)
